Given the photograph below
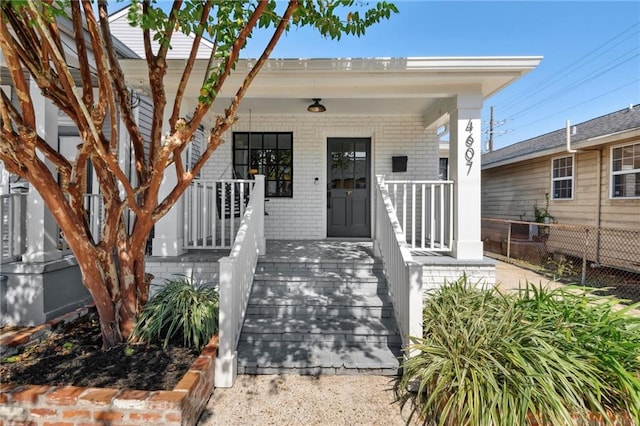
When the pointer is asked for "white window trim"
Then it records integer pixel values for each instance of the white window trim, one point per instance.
(573, 178)
(612, 173)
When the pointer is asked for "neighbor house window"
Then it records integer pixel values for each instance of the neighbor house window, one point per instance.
(562, 178)
(625, 171)
(443, 169)
(269, 154)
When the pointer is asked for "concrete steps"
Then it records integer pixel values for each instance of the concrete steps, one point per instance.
(314, 316)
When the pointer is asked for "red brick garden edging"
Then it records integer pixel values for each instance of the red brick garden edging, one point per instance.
(75, 406)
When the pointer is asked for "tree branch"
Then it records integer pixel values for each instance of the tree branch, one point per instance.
(224, 123)
(19, 82)
(85, 69)
(124, 97)
(188, 68)
(169, 29)
(85, 120)
(240, 41)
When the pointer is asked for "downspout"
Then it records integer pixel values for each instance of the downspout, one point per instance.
(598, 194)
(598, 203)
(586, 240)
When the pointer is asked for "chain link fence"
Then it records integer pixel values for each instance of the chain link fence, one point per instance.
(590, 256)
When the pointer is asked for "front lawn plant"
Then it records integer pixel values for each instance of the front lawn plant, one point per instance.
(538, 356)
(180, 308)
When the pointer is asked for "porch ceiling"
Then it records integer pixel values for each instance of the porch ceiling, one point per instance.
(350, 86)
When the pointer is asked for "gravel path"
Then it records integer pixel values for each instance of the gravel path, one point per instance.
(307, 400)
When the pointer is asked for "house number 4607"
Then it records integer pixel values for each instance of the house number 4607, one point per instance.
(469, 153)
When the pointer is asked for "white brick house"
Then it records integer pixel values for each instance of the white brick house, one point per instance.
(424, 231)
(328, 176)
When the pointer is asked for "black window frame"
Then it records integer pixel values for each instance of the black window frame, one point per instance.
(265, 164)
(443, 168)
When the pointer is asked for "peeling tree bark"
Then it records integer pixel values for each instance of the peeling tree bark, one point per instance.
(113, 269)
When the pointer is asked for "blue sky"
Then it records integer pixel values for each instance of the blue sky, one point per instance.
(591, 50)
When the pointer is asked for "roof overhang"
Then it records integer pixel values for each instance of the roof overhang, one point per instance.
(590, 144)
(347, 85)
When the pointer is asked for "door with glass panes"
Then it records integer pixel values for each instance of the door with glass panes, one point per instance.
(348, 187)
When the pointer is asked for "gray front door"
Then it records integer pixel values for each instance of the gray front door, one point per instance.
(348, 187)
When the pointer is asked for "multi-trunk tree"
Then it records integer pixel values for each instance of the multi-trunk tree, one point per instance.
(94, 95)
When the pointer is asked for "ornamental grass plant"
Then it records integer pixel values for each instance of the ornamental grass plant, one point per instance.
(180, 308)
(538, 356)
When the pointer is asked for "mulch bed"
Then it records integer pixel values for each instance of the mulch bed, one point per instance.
(72, 355)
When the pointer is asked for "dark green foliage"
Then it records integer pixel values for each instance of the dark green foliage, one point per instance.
(488, 358)
(179, 308)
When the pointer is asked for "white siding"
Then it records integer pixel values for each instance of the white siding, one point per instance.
(132, 38)
(304, 215)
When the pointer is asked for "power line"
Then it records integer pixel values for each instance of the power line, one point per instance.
(577, 105)
(566, 70)
(589, 77)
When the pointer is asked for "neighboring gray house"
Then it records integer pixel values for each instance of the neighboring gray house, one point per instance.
(593, 180)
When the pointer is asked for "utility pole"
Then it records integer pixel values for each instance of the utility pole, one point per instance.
(491, 131)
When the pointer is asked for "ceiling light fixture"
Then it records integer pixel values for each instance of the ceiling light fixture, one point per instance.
(316, 106)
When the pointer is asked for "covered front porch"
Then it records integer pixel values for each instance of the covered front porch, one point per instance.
(325, 175)
(319, 292)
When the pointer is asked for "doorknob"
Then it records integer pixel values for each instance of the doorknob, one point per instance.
(349, 193)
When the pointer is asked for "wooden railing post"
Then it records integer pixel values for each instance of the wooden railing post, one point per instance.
(415, 301)
(235, 280)
(226, 361)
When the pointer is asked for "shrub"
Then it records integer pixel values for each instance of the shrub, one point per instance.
(488, 358)
(180, 307)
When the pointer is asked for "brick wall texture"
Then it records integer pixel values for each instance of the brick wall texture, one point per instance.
(74, 406)
(304, 215)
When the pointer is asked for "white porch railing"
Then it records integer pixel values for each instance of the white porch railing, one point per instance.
(211, 208)
(236, 278)
(425, 210)
(404, 276)
(95, 210)
(13, 226)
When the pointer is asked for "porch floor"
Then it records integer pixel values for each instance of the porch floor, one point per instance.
(316, 250)
(304, 250)
(203, 263)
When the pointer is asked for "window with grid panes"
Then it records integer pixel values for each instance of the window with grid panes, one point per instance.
(265, 153)
(625, 171)
(562, 178)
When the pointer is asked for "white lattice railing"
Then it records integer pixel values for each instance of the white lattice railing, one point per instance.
(212, 210)
(236, 278)
(13, 229)
(404, 276)
(425, 211)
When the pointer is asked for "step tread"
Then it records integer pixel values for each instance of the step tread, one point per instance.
(303, 324)
(312, 298)
(324, 274)
(361, 260)
(318, 354)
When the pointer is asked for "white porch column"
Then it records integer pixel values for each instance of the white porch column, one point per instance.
(42, 230)
(464, 163)
(168, 237)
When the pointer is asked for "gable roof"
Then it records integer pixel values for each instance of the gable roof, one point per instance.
(132, 38)
(589, 133)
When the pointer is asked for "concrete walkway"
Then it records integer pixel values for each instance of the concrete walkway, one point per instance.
(509, 277)
(326, 400)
